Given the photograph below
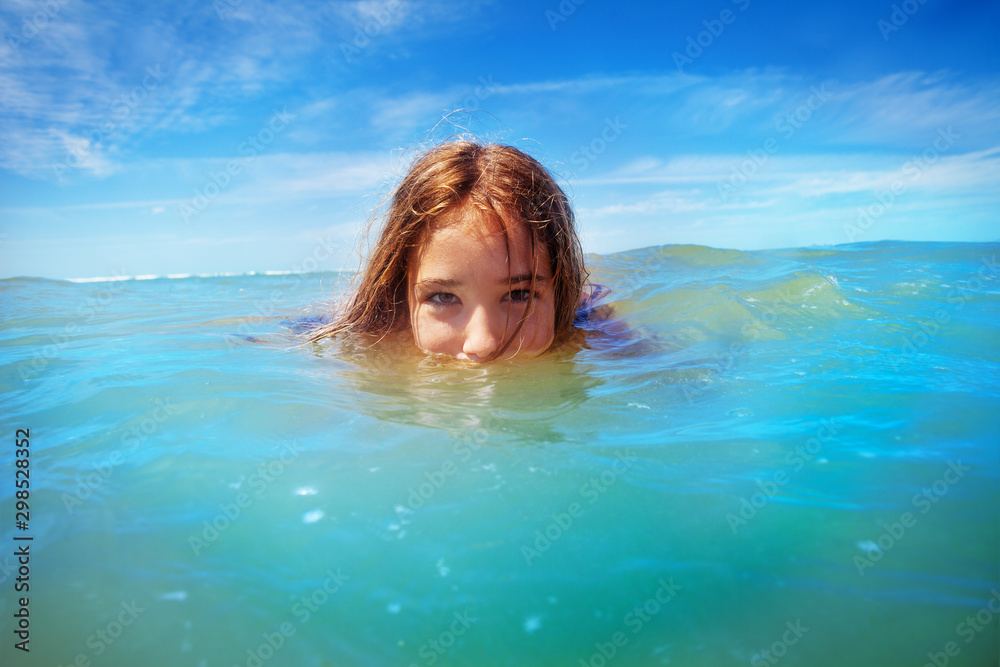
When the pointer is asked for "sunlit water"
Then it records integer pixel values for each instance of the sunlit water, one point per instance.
(788, 457)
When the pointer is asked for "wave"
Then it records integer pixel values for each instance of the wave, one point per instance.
(167, 276)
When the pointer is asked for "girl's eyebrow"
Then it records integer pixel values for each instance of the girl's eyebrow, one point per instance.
(523, 278)
(443, 282)
(452, 282)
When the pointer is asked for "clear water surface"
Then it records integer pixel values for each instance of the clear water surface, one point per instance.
(790, 457)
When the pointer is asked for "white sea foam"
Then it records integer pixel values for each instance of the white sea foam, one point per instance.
(182, 276)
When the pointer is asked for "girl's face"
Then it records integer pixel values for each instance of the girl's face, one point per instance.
(460, 299)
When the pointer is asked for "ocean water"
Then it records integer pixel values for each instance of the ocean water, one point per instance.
(781, 457)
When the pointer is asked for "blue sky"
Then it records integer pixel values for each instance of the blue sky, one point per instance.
(192, 137)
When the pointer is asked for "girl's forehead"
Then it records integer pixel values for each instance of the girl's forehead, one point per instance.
(457, 235)
(485, 226)
(474, 220)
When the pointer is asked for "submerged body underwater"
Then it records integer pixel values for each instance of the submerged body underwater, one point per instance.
(790, 457)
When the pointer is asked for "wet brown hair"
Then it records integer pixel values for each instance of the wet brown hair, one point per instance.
(507, 186)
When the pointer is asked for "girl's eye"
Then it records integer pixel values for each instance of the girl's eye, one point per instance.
(520, 296)
(442, 299)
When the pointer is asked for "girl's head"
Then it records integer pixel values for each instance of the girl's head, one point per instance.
(478, 257)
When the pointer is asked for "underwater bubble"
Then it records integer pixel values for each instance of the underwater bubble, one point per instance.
(868, 546)
(313, 516)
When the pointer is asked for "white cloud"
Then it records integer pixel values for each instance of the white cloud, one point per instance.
(809, 176)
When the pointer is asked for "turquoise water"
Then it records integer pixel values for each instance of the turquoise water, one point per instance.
(789, 457)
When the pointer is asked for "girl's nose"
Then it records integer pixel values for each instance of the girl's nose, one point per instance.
(482, 336)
